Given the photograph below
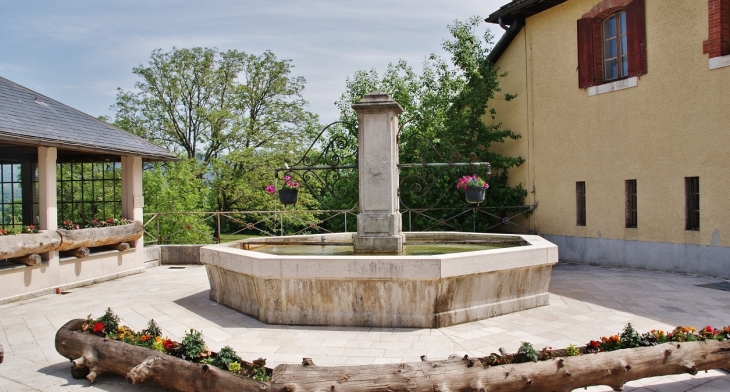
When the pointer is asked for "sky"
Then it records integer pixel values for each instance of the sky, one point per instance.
(79, 52)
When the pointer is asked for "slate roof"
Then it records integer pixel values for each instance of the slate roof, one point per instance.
(30, 118)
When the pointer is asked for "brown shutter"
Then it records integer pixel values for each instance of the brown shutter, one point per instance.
(636, 36)
(585, 52)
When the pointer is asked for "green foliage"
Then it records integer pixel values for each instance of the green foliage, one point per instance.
(234, 367)
(152, 329)
(158, 346)
(237, 115)
(257, 371)
(447, 115)
(110, 321)
(526, 353)
(629, 337)
(225, 357)
(572, 350)
(191, 346)
(178, 187)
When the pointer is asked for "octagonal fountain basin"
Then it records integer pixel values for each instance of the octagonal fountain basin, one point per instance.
(443, 278)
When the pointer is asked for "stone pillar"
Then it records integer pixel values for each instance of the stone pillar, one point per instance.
(47, 196)
(379, 222)
(132, 197)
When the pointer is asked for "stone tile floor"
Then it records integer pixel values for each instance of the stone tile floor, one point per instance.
(585, 303)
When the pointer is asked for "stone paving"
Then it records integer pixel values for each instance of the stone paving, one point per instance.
(585, 303)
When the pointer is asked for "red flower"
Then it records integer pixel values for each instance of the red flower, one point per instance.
(98, 327)
(594, 344)
(168, 344)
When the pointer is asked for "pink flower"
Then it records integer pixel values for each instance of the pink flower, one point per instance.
(270, 189)
(287, 178)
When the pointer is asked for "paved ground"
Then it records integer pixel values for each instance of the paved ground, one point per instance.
(585, 303)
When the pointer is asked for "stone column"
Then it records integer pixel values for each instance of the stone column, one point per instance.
(132, 198)
(47, 196)
(379, 222)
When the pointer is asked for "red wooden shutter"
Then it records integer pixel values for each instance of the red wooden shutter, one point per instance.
(585, 53)
(636, 36)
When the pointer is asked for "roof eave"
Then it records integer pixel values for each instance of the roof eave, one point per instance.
(65, 145)
(523, 9)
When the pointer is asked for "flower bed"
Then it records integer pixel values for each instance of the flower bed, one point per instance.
(102, 346)
(192, 348)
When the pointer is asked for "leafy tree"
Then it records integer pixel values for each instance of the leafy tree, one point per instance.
(445, 108)
(178, 187)
(204, 103)
(238, 115)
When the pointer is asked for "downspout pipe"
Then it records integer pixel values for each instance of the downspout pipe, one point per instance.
(501, 24)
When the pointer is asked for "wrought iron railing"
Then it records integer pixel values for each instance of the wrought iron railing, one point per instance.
(217, 226)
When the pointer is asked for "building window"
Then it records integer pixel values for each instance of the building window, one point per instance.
(19, 197)
(631, 214)
(692, 204)
(718, 29)
(580, 203)
(88, 191)
(11, 202)
(615, 59)
(612, 42)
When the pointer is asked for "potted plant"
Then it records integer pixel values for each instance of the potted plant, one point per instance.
(288, 192)
(474, 188)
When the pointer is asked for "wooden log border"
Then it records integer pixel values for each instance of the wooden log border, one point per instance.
(558, 374)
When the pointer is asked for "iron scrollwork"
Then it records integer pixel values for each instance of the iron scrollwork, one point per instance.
(328, 171)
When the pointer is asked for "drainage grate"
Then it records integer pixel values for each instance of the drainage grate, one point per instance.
(176, 268)
(724, 286)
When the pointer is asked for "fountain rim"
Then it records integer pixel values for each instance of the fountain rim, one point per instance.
(539, 252)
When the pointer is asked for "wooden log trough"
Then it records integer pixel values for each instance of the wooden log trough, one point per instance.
(99, 236)
(25, 248)
(17, 246)
(95, 355)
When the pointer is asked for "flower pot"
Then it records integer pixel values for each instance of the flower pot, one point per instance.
(475, 194)
(288, 196)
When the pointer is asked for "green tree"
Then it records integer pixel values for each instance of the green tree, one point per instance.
(173, 187)
(239, 115)
(447, 115)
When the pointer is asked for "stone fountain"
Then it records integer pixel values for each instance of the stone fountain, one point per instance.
(377, 285)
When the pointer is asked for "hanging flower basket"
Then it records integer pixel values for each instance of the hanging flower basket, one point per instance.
(288, 192)
(475, 194)
(288, 196)
(474, 188)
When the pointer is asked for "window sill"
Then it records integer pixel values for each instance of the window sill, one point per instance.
(613, 86)
(719, 62)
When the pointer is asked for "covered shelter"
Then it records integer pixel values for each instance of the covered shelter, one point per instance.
(58, 164)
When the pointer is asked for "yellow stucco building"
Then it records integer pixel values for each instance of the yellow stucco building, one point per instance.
(624, 111)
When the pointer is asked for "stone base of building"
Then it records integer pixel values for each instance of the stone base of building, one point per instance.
(658, 256)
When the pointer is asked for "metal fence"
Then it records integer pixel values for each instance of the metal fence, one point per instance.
(217, 226)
